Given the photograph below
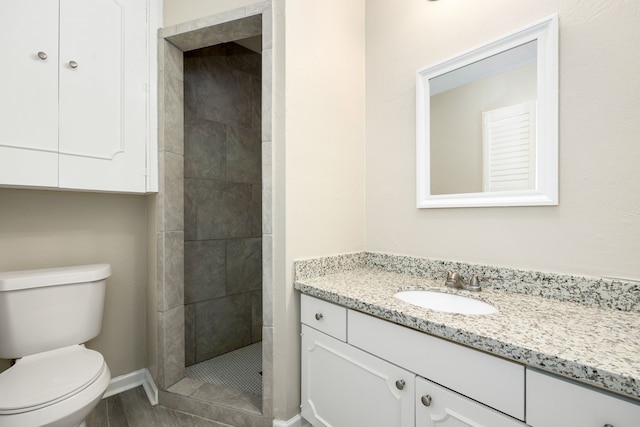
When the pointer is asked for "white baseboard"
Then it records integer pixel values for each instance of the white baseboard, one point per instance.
(141, 377)
(296, 421)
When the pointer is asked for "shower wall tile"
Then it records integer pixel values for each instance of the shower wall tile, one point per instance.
(204, 273)
(220, 94)
(243, 59)
(244, 265)
(267, 371)
(256, 104)
(224, 324)
(204, 149)
(267, 81)
(189, 334)
(173, 130)
(243, 151)
(171, 293)
(267, 188)
(256, 316)
(190, 208)
(173, 60)
(223, 209)
(159, 208)
(173, 192)
(256, 210)
(267, 280)
(172, 342)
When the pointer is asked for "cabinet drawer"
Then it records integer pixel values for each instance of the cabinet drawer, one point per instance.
(435, 403)
(496, 382)
(555, 401)
(324, 316)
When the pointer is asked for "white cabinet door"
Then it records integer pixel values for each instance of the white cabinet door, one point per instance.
(29, 92)
(437, 406)
(103, 94)
(554, 401)
(346, 387)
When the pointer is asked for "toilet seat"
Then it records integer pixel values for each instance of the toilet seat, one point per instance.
(42, 379)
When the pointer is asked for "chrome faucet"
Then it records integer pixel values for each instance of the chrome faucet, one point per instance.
(455, 280)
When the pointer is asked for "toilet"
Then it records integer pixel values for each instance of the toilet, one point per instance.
(46, 316)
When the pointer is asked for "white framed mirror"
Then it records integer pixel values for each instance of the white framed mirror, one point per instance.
(487, 123)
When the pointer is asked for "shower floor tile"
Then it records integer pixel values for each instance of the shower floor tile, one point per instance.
(239, 369)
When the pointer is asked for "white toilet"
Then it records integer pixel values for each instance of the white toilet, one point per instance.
(45, 317)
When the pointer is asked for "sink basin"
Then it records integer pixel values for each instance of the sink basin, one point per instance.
(449, 303)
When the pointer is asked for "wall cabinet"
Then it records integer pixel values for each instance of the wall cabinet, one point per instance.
(74, 95)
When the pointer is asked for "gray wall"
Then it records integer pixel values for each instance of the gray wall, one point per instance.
(222, 168)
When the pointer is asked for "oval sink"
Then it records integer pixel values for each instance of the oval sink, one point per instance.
(449, 303)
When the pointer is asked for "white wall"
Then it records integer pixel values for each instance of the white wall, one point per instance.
(324, 144)
(596, 228)
(40, 229)
(179, 11)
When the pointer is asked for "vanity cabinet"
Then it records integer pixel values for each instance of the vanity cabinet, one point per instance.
(437, 406)
(555, 401)
(371, 378)
(345, 387)
(74, 94)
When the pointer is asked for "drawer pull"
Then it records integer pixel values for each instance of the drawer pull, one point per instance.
(319, 316)
(42, 55)
(426, 400)
(400, 384)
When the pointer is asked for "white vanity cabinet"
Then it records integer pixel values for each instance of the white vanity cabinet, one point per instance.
(437, 406)
(74, 94)
(554, 401)
(370, 380)
(346, 387)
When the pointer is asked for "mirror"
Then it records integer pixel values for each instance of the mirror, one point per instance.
(487, 123)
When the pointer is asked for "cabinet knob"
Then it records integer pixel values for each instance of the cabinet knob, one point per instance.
(73, 64)
(42, 55)
(319, 316)
(400, 384)
(426, 400)
(608, 425)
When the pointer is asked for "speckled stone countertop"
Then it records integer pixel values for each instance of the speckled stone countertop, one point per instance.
(595, 345)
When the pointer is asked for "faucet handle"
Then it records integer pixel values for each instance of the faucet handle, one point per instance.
(474, 284)
(449, 278)
(444, 270)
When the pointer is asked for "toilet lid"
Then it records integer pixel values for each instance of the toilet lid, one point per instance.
(42, 379)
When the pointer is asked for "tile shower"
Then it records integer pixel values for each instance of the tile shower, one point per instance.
(170, 219)
(222, 200)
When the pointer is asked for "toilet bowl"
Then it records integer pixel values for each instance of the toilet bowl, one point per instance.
(45, 316)
(57, 388)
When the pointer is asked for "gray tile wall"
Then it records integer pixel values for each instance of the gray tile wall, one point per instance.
(222, 200)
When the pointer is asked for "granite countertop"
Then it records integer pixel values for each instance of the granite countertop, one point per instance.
(597, 346)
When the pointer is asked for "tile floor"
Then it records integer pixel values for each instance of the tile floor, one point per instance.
(132, 409)
(240, 369)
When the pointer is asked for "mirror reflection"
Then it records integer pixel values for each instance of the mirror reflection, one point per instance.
(482, 129)
(487, 123)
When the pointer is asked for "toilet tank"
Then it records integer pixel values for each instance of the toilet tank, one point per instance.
(50, 308)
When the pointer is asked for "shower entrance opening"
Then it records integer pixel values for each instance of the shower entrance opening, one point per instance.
(223, 214)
